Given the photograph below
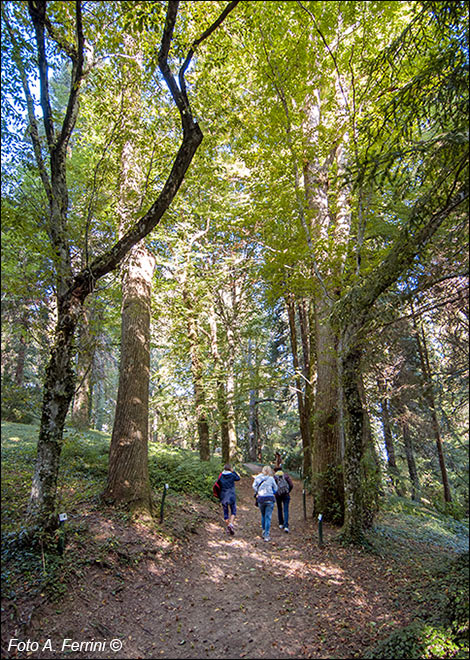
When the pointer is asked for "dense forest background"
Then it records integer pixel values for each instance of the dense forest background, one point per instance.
(305, 289)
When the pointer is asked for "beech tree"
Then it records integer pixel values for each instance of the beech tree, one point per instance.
(72, 288)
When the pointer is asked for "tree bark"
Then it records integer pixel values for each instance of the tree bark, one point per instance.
(431, 401)
(230, 392)
(303, 398)
(410, 459)
(198, 384)
(128, 477)
(253, 409)
(73, 290)
(81, 407)
(220, 388)
(388, 437)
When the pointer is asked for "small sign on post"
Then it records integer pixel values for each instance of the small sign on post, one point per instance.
(165, 488)
(320, 529)
(61, 539)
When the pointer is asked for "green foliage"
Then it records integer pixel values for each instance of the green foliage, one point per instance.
(21, 404)
(43, 569)
(370, 487)
(182, 470)
(443, 633)
(404, 521)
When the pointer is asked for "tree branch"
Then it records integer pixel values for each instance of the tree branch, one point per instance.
(37, 12)
(84, 281)
(33, 126)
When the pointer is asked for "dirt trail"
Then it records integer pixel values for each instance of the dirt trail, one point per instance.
(234, 597)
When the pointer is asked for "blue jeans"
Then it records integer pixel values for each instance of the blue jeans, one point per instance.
(283, 510)
(266, 509)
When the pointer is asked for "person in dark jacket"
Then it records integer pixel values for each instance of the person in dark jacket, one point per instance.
(228, 497)
(283, 497)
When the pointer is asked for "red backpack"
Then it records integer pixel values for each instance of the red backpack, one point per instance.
(216, 488)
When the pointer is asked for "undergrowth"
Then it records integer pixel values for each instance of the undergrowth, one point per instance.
(404, 531)
(44, 570)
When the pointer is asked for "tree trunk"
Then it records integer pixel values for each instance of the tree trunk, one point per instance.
(306, 315)
(253, 409)
(230, 391)
(128, 477)
(388, 437)
(197, 374)
(429, 396)
(303, 400)
(59, 387)
(410, 459)
(354, 420)
(81, 407)
(220, 389)
(327, 471)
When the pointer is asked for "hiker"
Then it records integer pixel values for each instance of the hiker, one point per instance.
(228, 497)
(265, 488)
(284, 487)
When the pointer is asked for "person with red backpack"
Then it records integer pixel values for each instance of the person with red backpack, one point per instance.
(227, 495)
(284, 487)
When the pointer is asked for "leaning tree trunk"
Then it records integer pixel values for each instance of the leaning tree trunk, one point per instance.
(59, 387)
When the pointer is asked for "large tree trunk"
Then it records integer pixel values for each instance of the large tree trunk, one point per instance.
(128, 477)
(354, 423)
(330, 216)
(73, 290)
(327, 473)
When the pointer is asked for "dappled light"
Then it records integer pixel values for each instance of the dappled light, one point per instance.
(235, 243)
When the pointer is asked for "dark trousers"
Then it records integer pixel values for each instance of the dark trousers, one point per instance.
(283, 510)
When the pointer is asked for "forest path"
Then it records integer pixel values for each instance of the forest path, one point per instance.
(236, 597)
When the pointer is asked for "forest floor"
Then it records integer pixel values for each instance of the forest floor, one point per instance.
(211, 595)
